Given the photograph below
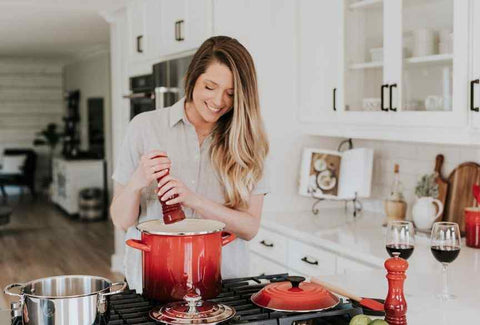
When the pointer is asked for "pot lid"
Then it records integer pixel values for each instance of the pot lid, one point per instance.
(184, 227)
(192, 311)
(295, 295)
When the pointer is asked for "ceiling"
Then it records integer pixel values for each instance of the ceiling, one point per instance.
(58, 29)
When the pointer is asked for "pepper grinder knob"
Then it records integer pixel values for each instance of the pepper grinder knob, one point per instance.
(395, 304)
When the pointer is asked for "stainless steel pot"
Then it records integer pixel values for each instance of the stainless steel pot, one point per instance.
(68, 299)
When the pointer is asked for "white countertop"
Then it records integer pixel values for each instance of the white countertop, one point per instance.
(363, 239)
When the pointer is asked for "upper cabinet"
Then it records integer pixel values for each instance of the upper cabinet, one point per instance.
(161, 28)
(319, 46)
(136, 22)
(474, 76)
(183, 25)
(394, 72)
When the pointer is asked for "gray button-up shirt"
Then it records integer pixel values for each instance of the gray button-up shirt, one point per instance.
(169, 130)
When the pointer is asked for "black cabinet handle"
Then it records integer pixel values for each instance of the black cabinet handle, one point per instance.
(334, 99)
(139, 44)
(394, 109)
(385, 109)
(306, 260)
(472, 95)
(178, 30)
(264, 243)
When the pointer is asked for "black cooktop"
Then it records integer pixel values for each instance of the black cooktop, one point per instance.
(132, 308)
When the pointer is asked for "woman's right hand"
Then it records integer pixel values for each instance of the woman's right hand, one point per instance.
(152, 166)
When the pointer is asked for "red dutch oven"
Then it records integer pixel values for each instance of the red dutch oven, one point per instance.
(181, 258)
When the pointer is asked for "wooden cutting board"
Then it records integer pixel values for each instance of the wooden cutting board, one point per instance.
(441, 182)
(460, 194)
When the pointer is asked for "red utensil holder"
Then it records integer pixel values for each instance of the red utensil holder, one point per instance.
(472, 227)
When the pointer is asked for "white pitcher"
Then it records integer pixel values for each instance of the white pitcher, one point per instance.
(424, 213)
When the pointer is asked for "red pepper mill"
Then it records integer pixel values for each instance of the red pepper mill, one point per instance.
(171, 213)
(395, 304)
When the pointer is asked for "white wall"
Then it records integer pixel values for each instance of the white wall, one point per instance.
(91, 76)
(30, 98)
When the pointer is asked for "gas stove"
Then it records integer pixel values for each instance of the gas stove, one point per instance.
(132, 308)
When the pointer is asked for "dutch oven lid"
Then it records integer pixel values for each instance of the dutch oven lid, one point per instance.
(184, 227)
(192, 311)
(295, 295)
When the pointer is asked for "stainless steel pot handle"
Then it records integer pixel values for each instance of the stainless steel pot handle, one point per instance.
(13, 285)
(122, 283)
(102, 300)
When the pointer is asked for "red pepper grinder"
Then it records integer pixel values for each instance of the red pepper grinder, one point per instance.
(171, 212)
(395, 304)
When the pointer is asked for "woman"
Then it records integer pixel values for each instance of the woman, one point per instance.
(214, 143)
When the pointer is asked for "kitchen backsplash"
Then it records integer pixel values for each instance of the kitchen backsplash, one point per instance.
(414, 160)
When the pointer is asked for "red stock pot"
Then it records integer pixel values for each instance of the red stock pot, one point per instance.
(180, 258)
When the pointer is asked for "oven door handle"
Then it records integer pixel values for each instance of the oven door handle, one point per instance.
(160, 95)
(139, 95)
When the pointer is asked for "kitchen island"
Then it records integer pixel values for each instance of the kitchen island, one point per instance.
(362, 239)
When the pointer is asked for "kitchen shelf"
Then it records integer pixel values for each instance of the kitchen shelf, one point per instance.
(366, 65)
(363, 4)
(438, 58)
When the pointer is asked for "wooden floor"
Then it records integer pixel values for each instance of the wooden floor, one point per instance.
(41, 241)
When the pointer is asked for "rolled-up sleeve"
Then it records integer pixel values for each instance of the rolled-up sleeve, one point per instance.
(263, 185)
(130, 153)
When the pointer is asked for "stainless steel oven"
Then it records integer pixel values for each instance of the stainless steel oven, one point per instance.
(142, 97)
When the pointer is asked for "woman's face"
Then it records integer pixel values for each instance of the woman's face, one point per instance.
(213, 93)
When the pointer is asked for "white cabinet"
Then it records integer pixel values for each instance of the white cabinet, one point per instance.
(397, 78)
(137, 36)
(261, 265)
(403, 71)
(474, 77)
(184, 25)
(310, 261)
(319, 46)
(271, 245)
(71, 176)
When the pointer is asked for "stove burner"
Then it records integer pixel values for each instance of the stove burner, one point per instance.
(131, 308)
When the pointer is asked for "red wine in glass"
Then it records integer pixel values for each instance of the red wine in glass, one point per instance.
(404, 250)
(445, 254)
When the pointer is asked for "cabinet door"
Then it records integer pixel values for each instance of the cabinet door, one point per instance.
(260, 265)
(474, 79)
(309, 260)
(428, 62)
(136, 30)
(185, 24)
(363, 92)
(270, 244)
(319, 44)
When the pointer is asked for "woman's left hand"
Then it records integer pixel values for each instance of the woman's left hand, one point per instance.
(169, 186)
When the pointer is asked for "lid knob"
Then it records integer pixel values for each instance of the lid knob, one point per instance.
(295, 280)
(192, 300)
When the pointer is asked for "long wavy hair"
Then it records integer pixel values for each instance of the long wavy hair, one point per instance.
(239, 142)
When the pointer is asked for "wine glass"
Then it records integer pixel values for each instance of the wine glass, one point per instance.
(445, 246)
(400, 238)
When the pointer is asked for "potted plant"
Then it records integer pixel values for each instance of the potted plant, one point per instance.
(50, 137)
(424, 212)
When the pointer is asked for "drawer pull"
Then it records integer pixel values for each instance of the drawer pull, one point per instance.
(264, 243)
(306, 260)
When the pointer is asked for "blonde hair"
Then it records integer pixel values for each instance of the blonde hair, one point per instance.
(239, 142)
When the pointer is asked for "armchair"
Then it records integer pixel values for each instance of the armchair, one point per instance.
(27, 175)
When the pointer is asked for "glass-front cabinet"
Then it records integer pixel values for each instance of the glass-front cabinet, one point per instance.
(474, 76)
(406, 62)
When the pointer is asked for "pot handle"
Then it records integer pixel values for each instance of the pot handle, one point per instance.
(102, 301)
(138, 244)
(13, 285)
(227, 237)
